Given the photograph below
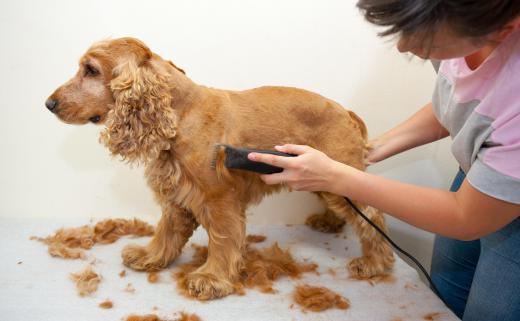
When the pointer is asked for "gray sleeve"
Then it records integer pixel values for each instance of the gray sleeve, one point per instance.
(493, 183)
(440, 92)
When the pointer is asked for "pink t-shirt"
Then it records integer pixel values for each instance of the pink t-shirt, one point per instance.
(481, 110)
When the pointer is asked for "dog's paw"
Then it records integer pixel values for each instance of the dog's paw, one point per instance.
(327, 222)
(138, 258)
(204, 286)
(366, 267)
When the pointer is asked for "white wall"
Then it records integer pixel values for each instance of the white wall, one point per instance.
(50, 169)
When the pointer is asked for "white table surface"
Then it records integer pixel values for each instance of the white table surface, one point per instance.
(39, 287)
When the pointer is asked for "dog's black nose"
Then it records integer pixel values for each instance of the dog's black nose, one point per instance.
(51, 104)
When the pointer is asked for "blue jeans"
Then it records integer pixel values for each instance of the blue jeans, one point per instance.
(480, 280)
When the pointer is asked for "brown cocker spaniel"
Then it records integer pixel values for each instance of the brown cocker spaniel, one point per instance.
(156, 116)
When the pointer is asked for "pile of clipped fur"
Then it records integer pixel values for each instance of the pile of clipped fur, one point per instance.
(318, 298)
(152, 317)
(261, 267)
(68, 242)
(86, 281)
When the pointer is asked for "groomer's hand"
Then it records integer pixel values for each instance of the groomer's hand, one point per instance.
(375, 151)
(311, 170)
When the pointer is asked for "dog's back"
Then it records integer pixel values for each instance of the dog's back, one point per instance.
(267, 116)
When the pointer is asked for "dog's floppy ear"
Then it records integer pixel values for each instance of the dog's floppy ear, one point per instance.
(142, 122)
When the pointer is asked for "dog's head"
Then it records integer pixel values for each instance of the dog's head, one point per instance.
(122, 84)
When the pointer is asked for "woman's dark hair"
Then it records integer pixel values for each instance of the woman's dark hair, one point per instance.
(467, 18)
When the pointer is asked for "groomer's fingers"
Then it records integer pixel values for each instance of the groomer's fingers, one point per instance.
(274, 160)
(272, 179)
(293, 149)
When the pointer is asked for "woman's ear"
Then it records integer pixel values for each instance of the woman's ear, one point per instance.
(142, 123)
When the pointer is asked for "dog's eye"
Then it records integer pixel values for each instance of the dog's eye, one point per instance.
(91, 71)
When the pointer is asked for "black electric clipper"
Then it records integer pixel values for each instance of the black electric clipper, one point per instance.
(236, 158)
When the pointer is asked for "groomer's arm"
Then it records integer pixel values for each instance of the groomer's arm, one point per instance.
(466, 214)
(422, 128)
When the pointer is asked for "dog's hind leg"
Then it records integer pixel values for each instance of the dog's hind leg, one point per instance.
(378, 256)
(225, 223)
(327, 222)
(171, 234)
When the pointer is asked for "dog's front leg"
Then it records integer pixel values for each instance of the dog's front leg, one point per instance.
(225, 223)
(171, 234)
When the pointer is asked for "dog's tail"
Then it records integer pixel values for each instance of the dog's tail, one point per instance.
(360, 124)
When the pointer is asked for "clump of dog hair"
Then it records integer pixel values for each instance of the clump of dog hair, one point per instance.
(255, 238)
(86, 281)
(188, 317)
(264, 266)
(318, 298)
(326, 222)
(107, 304)
(148, 317)
(432, 316)
(152, 317)
(153, 277)
(376, 279)
(69, 243)
(111, 230)
(261, 267)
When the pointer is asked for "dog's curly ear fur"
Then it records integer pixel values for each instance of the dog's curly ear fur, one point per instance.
(142, 123)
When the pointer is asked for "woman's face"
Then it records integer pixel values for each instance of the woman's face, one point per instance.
(444, 44)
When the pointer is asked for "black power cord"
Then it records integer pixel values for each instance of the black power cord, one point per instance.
(408, 255)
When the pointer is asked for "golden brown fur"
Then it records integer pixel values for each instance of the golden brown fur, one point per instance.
(156, 116)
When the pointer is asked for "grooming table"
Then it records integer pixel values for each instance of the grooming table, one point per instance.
(35, 286)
